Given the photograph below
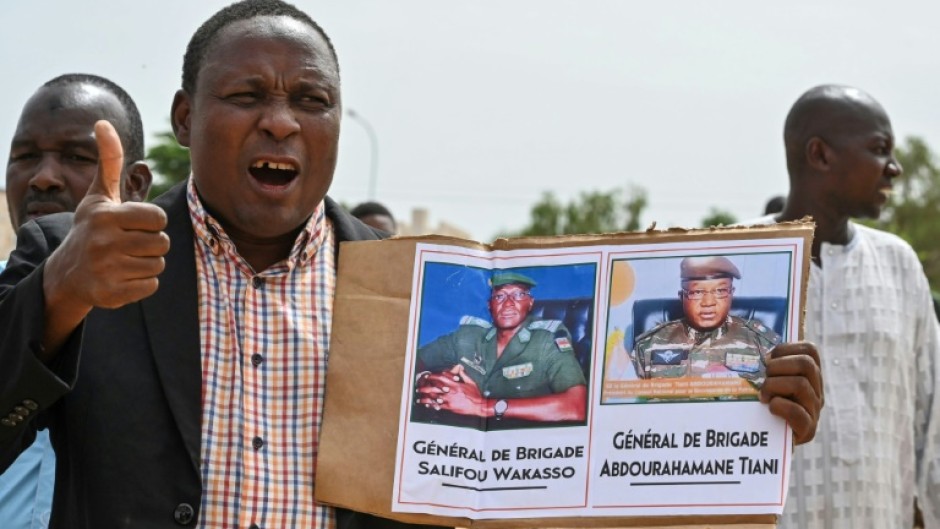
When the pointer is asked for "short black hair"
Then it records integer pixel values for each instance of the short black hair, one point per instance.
(829, 111)
(371, 208)
(244, 10)
(132, 138)
(775, 205)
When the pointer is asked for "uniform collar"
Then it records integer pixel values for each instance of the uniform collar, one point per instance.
(697, 335)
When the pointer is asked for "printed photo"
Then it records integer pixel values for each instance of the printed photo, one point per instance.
(504, 348)
(694, 328)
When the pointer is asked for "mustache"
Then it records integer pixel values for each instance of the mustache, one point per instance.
(52, 197)
(57, 199)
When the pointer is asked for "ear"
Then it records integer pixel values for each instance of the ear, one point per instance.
(180, 113)
(137, 180)
(819, 155)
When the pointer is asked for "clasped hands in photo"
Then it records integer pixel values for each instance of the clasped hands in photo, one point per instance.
(451, 390)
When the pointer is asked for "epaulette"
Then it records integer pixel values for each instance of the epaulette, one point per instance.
(653, 330)
(545, 325)
(473, 320)
(761, 329)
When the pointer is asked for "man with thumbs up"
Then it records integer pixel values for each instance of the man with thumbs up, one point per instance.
(53, 159)
(177, 350)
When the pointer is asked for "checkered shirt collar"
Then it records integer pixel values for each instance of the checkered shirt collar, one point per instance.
(210, 232)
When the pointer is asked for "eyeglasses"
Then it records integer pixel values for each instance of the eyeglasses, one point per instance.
(719, 293)
(515, 296)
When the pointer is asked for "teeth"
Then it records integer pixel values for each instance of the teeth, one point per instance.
(274, 165)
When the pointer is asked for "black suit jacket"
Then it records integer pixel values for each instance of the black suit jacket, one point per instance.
(123, 397)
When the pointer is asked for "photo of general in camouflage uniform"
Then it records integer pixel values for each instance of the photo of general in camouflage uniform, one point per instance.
(509, 368)
(706, 341)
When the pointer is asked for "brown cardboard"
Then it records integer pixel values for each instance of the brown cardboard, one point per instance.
(371, 315)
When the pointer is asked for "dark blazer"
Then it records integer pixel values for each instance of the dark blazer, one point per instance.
(125, 419)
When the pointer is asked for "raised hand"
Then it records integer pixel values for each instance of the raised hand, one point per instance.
(113, 254)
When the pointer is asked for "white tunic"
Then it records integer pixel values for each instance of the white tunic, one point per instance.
(870, 313)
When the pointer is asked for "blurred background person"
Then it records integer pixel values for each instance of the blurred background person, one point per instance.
(375, 215)
(775, 205)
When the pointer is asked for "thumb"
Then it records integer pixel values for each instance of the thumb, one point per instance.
(110, 162)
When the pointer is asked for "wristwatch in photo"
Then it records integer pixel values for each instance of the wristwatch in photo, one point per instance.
(499, 409)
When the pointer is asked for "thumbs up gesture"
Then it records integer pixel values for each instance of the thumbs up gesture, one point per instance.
(113, 254)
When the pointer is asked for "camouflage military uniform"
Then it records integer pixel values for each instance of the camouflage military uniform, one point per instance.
(675, 349)
(539, 360)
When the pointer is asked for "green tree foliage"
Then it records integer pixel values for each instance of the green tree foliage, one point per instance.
(590, 212)
(169, 160)
(912, 211)
(717, 216)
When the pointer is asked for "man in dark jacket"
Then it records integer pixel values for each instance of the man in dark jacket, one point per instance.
(177, 350)
(53, 160)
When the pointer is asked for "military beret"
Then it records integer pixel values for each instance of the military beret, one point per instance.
(707, 267)
(508, 278)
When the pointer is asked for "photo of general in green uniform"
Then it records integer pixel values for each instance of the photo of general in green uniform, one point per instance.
(509, 368)
(707, 342)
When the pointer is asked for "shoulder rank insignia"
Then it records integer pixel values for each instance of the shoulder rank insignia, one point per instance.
(763, 330)
(653, 330)
(545, 325)
(473, 320)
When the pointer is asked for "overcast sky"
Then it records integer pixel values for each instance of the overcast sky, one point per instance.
(480, 107)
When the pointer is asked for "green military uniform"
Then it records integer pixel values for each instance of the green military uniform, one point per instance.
(539, 360)
(675, 349)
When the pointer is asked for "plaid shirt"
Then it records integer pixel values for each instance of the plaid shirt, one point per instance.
(264, 340)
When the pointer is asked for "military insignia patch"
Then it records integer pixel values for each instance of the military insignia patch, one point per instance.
(563, 343)
(517, 371)
(742, 362)
(474, 364)
(668, 357)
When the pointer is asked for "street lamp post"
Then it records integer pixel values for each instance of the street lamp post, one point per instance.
(374, 146)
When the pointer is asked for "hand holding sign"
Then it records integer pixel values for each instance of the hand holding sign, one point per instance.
(113, 253)
(793, 388)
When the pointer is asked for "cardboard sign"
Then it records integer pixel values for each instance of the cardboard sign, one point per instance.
(584, 381)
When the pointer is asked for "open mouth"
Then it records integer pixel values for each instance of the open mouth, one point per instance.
(884, 194)
(273, 173)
